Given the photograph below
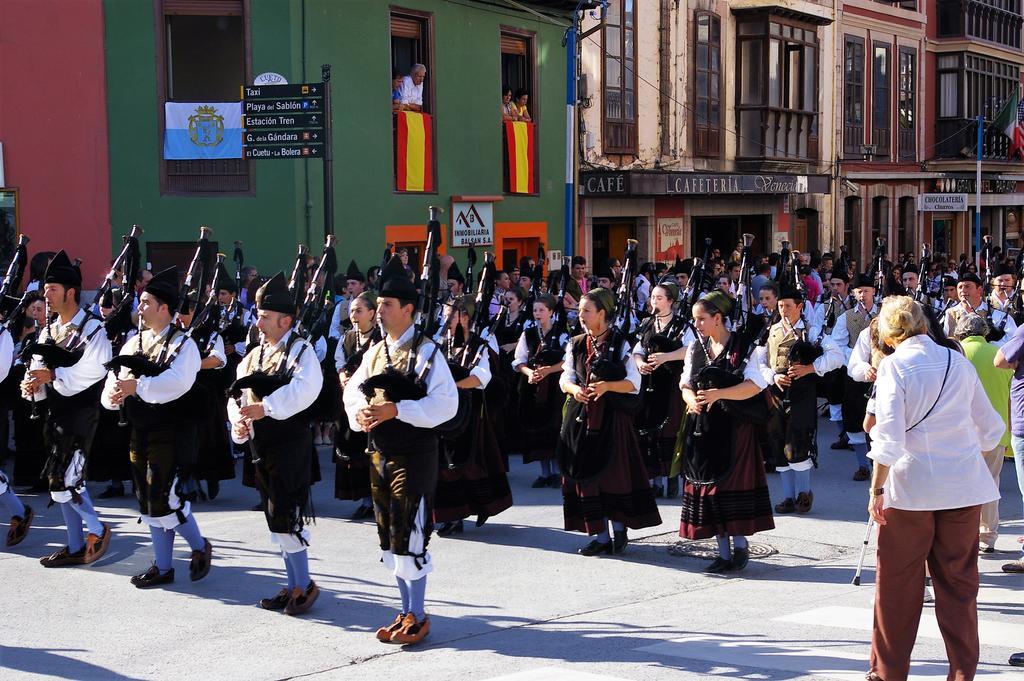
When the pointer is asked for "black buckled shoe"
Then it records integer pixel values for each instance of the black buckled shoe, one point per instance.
(449, 528)
(199, 566)
(595, 548)
(555, 480)
(1017, 660)
(276, 602)
(786, 506)
(620, 541)
(363, 512)
(152, 578)
(63, 557)
(481, 519)
(740, 558)
(719, 565)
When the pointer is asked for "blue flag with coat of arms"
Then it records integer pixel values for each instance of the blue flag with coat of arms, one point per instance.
(198, 130)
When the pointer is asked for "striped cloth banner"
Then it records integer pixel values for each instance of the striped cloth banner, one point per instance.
(519, 136)
(414, 161)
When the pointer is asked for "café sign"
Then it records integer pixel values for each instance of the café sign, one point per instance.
(603, 183)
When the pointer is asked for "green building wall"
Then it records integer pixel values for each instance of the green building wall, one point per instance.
(353, 36)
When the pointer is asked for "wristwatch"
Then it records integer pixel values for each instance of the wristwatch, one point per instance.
(878, 491)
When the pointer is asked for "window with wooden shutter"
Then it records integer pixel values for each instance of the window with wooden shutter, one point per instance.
(202, 56)
(618, 83)
(707, 81)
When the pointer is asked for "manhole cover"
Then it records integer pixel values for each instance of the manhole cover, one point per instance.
(707, 549)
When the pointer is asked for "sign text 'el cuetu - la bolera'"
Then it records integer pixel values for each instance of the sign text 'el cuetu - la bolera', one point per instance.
(283, 121)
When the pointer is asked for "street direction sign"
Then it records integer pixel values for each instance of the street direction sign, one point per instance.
(289, 151)
(299, 121)
(278, 91)
(262, 106)
(284, 121)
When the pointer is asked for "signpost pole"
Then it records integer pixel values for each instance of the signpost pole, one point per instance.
(325, 72)
(977, 190)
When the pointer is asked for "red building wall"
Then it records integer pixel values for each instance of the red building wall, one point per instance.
(53, 125)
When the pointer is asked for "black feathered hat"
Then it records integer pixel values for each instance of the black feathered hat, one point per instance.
(862, 280)
(395, 282)
(164, 286)
(1001, 269)
(971, 277)
(353, 273)
(455, 273)
(225, 282)
(61, 271)
(792, 293)
(274, 295)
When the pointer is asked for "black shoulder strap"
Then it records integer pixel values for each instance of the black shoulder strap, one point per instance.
(949, 360)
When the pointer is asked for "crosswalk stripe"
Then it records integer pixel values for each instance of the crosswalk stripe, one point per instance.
(554, 674)
(829, 660)
(991, 633)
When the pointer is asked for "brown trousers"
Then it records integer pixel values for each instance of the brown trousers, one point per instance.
(948, 541)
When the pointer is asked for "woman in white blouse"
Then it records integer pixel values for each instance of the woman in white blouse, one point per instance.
(933, 420)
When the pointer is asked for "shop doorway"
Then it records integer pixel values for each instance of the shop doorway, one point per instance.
(416, 250)
(163, 254)
(610, 241)
(513, 250)
(726, 232)
(805, 230)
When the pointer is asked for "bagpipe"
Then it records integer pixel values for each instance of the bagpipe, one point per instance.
(260, 382)
(461, 363)
(137, 363)
(408, 384)
(119, 322)
(314, 316)
(12, 306)
(608, 365)
(560, 318)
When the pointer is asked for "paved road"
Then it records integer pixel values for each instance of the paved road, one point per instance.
(510, 601)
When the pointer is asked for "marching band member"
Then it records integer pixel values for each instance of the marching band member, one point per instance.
(403, 445)
(155, 407)
(471, 479)
(725, 494)
(352, 463)
(847, 336)
(72, 393)
(604, 479)
(793, 429)
(275, 420)
(538, 358)
(969, 292)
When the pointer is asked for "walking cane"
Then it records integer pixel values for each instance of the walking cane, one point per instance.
(863, 551)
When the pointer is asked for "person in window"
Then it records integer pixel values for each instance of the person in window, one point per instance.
(522, 97)
(411, 94)
(509, 112)
(933, 421)
(396, 91)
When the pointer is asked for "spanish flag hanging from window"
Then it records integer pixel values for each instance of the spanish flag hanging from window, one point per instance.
(414, 162)
(519, 136)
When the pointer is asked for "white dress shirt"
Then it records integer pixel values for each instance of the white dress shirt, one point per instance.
(936, 464)
(440, 404)
(841, 332)
(995, 318)
(751, 371)
(168, 386)
(411, 93)
(6, 353)
(831, 356)
(569, 376)
(860, 358)
(522, 353)
(290, 399)
(88, 370)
